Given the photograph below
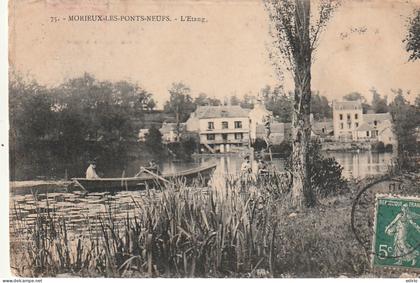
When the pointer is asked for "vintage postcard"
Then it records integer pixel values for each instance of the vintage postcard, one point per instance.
(214, 138)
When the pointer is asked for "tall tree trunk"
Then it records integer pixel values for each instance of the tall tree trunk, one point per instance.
(301, 128)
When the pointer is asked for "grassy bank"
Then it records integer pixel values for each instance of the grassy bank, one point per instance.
(233, 230)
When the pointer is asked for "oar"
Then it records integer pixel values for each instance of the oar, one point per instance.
(155, 175)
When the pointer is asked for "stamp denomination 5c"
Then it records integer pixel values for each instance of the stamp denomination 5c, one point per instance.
(397, 232)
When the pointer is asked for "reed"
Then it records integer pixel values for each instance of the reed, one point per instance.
(238, 228)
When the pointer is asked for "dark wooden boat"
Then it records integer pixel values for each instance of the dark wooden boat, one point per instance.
(202, 173)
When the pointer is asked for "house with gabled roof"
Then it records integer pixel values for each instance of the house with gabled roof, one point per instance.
(221, 128)
(350, 124)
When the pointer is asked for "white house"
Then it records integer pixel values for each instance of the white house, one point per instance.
(350, 124)
(220, 128)
(347, 117)
(169, 132)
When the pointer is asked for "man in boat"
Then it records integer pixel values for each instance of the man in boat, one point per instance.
(91, 171)
(153, 167)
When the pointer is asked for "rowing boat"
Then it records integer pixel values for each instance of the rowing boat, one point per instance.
(202, 173)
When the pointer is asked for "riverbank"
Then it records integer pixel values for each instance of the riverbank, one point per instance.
(227, 230)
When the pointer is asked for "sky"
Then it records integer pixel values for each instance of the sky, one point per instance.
(227, 54)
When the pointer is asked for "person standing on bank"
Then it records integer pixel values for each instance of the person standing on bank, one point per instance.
(91, 171)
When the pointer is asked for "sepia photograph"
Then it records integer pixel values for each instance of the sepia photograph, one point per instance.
(213, 139)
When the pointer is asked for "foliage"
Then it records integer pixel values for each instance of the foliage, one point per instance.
(202, 100)
(247, 101)
(379, 104)
(184, 148)
(413, 37)
(283, 149)
(279, 103)
(187, 232)
(320, 107)
(74, 121)
(154, 140)
(353, 96)
(406, 119)
(294, 40)
(379, 147)
(234, 100)
(180, 102)
(325, 172)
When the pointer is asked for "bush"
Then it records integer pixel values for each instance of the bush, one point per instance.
(326, 177)
(379, 147)
(389, 148)
(259, 144)
(154, 140)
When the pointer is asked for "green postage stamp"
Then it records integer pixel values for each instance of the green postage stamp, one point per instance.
(397, 232)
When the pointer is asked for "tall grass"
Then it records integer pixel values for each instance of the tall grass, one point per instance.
(236, 229)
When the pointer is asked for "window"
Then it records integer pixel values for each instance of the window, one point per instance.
(341, 116)
(210, 125)
(225, 125)
(323, 130)
(239, 136)
(348, 117)
(349, 125)
(356, 124)
(341, 126)
(224, 137)
(367, 133)
(375, 123)
(356, 116)
(238, 124)
(210, 137)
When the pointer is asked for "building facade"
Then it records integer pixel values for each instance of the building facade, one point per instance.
(220, 128)
(350, 124)
(347, 117)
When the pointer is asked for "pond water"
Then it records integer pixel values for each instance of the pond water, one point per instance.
(81, 211)
(355, 164)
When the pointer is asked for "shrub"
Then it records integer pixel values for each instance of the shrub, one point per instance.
(379, 147)
(326, 177)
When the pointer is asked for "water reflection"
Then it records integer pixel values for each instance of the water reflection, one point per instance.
(355, 164)
(362, 164)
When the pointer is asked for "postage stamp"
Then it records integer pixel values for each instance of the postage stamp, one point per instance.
(396, 240)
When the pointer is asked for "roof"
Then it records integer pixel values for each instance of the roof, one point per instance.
(326, 125)
(365, 127)
(380, 117)
(347, 105)
(276, 128)
(236, 111)
(168, 127)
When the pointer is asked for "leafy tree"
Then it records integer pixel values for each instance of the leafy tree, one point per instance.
(379, 104)
(79, 119)
(326, 173)
(406, 118)
(248, 101)
(234, 100)
(295, 39)
(180, 102)
(320, 106)
(154, 140)
(354, 96)
(413, 37)
(202, 100)
(279, 103)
